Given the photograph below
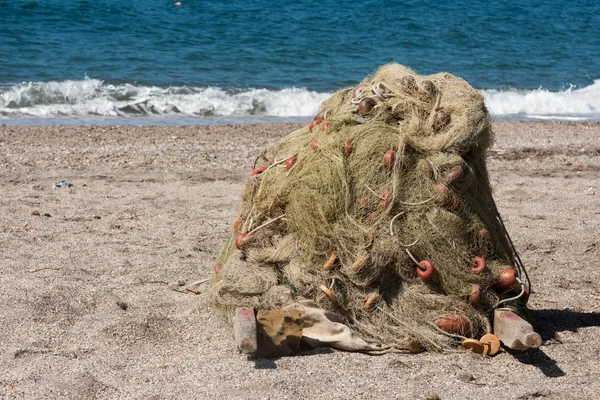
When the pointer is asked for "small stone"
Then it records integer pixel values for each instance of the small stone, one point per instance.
(122, 305)
(465, 377)
(35, 212)
(47, 215)
(97, 217)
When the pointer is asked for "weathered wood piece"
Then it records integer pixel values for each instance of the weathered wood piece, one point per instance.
(515, 332)
(244, 326)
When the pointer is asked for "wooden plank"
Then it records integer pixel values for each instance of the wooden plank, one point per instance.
(514, 331)
(244, 326)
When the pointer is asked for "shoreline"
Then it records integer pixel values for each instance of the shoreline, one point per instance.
(190, 121)
(95, 278)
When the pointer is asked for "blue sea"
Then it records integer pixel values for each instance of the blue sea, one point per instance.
(134, 62)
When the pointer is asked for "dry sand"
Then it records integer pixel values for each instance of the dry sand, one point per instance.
(99, 293)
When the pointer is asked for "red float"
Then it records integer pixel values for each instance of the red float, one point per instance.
(441, 192)
(366, 105)
(314, 123)
(506, 280)
(242, 239)
(364, 202)
(290, 162)
(348, 148)
(477, 265)
(217, 267)
(453, 205)
(475, 295)
(358, 90)
(425, 269)
(321, 115)
(454, 323)
(258, 170)
(372, 217)
(386, 199)
(454, 174)
(389, 158)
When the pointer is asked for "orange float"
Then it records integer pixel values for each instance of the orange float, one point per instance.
(236, 225)
(329, 263)
(327, 291)
(371, 300)
(360, 262)
(491, 344)
(474, 345)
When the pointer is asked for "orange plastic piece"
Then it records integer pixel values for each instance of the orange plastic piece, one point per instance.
(491, 344)
(329, 263)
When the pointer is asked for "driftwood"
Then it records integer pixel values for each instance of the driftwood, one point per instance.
(244, 326)
(515, 332)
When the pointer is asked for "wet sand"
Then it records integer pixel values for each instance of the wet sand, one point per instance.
(102, 285)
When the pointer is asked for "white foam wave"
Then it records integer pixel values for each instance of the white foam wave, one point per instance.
(95, 98)
(92, 97)
(574, 105)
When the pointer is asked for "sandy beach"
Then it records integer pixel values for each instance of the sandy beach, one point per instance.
(103, 284)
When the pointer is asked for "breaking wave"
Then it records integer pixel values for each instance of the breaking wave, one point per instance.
(571, 104)
(88, 98)
(92, 97)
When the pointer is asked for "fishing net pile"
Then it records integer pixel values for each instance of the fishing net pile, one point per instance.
(380, 210)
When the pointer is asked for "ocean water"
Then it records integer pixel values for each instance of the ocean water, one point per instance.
(156, 63)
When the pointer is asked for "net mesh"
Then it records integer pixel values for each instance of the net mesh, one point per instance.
(381, 210)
